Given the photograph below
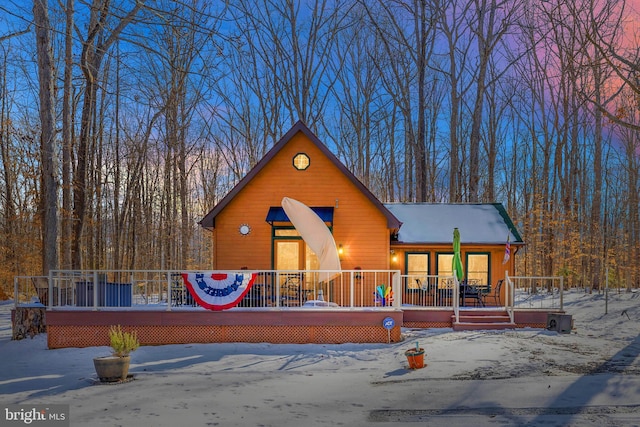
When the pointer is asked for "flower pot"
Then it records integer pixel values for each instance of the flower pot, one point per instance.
(112, 368)
(415, 358)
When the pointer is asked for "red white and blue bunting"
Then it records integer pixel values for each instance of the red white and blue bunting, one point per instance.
(218, 290)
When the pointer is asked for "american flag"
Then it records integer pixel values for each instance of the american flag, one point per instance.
(507, 251)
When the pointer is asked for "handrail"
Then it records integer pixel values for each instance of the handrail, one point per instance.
(509, 297)
(396, 288)
(456, 298)
(562, 293)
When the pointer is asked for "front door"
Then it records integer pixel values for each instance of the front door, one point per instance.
(290, 252)
(288, 255)
(294, 254)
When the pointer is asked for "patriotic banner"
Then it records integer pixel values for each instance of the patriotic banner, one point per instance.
(507, 251)
(217, 290)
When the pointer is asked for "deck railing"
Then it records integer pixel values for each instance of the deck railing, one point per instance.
(429, 291)
(520, 292)
(166, 290)
(538, 292)
(432, 292)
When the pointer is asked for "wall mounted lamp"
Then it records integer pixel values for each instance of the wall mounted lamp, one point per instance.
(340, 249)
(394, 257)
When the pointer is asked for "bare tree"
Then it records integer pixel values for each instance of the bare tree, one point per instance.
(99, 38)
(46, 79)
(452, 27)
(358, 86)
(493, 21)
(67, 139)
(611, 32)
(9, 178)
(411, 25)
(186, 50)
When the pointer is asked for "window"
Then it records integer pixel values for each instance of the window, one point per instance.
(301, 161)
(444, 268)
(445, 265)
(478, 268)
(417, 268)
(285, 232)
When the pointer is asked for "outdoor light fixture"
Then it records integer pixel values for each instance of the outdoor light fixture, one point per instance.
(394, 257)
(340, 250)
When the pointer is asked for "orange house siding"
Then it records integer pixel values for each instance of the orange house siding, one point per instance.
(358, 225)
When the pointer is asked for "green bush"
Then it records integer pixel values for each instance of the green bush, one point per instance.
(122, 342)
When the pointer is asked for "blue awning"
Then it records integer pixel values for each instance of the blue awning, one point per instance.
(277, 214)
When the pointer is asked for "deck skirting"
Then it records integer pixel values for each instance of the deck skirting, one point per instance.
(88, 329)
(76, 328)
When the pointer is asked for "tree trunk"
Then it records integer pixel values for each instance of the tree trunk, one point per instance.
(46, 78)
(67, 139)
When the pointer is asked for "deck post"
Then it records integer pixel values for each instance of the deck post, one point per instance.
(169, 298)
(396, 288)
(95, 290)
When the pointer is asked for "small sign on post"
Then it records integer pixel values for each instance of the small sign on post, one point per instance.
(388, 323)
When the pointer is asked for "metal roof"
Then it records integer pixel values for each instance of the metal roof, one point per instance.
(483, 223)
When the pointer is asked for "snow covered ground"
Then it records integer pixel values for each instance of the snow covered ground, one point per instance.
(590, 377)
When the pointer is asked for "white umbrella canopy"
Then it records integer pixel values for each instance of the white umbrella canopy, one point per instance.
(316, 234)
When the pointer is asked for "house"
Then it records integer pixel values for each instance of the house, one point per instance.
(251, 231)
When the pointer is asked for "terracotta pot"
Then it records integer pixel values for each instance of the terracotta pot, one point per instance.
(112, 368)
(415, 358)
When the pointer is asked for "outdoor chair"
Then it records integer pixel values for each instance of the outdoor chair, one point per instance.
(41, 285)
(292, 292)
(495, 294)
(421, 294)
(471, 292)
(429, 287)
(180, 295)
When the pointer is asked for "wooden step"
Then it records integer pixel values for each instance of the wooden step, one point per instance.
(479, 320)
(484, 319)
(482, 326)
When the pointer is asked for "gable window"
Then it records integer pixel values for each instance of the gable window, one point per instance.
(301, 161)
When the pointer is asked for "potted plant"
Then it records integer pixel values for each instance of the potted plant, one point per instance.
(116, 367)
(415, 357)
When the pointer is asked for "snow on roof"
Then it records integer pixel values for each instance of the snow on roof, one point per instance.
(486, 223)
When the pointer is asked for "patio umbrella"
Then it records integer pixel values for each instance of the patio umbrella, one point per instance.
(316, 234)
(457, 260)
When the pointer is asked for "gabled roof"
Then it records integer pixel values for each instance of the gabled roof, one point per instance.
(481, 223)
(209, 220)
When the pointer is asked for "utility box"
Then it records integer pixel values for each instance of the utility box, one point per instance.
(562, 323)
(109, 294)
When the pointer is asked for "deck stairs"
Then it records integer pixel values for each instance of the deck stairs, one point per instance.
(473, 320)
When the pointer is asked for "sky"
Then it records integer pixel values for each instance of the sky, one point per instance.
(533, 377)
